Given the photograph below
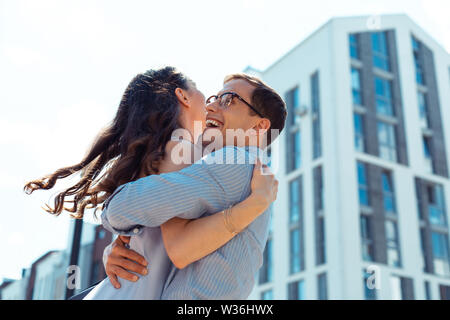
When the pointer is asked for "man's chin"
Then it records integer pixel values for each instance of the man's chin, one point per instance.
(211, 135)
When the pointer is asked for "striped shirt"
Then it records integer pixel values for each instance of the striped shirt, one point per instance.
(208, 186)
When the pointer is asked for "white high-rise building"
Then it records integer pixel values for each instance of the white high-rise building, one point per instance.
(363, 165)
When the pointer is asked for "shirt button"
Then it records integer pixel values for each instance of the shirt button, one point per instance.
(135, 230)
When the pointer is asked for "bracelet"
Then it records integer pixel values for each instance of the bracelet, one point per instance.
(230, 227)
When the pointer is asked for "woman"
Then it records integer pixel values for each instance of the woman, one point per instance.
(138, 143)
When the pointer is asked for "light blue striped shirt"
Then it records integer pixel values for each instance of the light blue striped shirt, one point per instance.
(204, 188)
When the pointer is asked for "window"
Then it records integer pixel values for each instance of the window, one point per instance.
(383, 96)
(396, 288)
(318, 188)
(392, 244)
(436, 205)
(317, 143)
(445, 292)
(441, 257)
(294, 150)
(265, 273)
(315, 98)
(425, 266)
(322, 286)
(296, 290)
(417, 61)
(315, 105)
(388, 192)
(366, 238)
(353, 44)
(267, 295)
(356, 86)
(292, 103)
(359, 131)
(428, 157)
(380, 51)
(293, 136)
(319, 215)
(423, 110)
(368, 286)
(321, 255)
(362, 185)
(427, 290)
(294, 201)
(386, 141)
(295, 250)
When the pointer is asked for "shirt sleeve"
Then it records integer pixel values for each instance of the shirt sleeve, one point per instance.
(188, 193)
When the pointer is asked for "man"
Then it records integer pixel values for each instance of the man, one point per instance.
(228, 273)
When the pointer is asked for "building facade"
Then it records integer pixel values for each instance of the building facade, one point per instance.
(48, 277)
(363, 205)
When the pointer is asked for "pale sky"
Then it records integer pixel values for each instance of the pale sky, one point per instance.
(64, 66)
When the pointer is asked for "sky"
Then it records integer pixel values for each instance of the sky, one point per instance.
(65, 64)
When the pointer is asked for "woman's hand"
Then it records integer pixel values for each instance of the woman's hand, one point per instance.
(121, 260)
(264, 185)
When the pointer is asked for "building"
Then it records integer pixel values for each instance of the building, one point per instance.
(48, 277)
(12, 289)
(362, 209)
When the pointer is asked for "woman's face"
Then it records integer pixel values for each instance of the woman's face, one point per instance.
(198, 105)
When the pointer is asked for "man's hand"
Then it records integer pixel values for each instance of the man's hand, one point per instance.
(121, 260)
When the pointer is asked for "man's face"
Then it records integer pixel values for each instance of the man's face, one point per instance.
(237, 115)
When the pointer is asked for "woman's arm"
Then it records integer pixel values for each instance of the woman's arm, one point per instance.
(187, 241)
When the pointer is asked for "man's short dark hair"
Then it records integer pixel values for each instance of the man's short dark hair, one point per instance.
(266, 100)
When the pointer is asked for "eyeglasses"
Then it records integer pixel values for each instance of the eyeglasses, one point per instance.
(226, 98)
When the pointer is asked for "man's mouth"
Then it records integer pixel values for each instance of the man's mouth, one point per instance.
(211, 123)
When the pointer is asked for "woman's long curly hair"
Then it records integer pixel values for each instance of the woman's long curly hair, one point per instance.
(131, 146)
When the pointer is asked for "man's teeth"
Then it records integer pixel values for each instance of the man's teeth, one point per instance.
(214, 123)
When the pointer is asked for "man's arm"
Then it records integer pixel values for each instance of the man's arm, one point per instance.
(189, 193)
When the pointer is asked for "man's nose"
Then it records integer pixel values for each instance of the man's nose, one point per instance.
(212, 107)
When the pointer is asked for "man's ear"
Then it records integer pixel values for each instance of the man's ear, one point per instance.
(262, 126)
(182, 97)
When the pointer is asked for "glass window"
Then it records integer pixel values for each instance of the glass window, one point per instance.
(353, 43)
(366, 238)
(295, 246)
(383, 96)
(267, 295)
(362, 184)
(297, 150)
(296, 290)
(396, 288)
(436, 205)
(317, 147)
(322, 286)
(318, 187)
(359, 132)
(265, 273)
(392, 244)
(294, 197)
(428, 157)
(292, 103)
(321, 255)
(388, 192)
(369, 291)
(315, 99)
(440, 253)
(315, 104)
(417, 61)
(386, 141)
(380, 51)
(356, 86)
(427, 290)
(423, 111)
